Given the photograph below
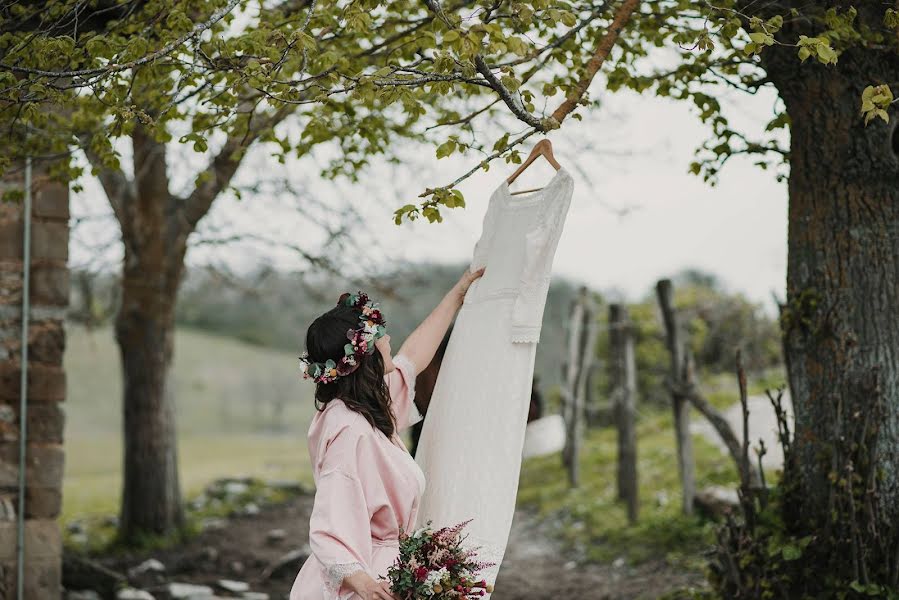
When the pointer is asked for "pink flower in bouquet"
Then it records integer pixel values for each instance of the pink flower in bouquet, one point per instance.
(421, 573)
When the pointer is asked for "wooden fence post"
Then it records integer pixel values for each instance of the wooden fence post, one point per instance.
(680, 402)
(582, 332)
(624, 400)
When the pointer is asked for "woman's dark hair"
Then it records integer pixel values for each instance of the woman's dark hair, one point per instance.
(364, 390)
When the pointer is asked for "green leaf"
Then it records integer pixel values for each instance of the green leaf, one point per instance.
(761, 38)
(891, 18)
(510, 82)
(827, 55)
(791, 552)
(446, 148)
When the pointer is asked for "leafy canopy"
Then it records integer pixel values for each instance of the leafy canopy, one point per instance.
(219, 75)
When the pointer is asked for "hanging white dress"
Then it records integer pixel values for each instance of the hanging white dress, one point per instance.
(471, 444)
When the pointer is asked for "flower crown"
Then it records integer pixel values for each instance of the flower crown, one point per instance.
(361, 341)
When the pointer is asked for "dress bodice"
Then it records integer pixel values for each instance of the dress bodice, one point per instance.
(517, 245)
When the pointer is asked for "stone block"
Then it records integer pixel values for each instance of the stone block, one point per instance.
(43, 502)
(46, 341)
(44, 464)
(11, 282)
(43, 578)
(45, 422)
(45, 383)
(49, 285)
(43, 540)
(10, 238)
(51, 200)
(49, 240)
(40, 502)
(7, 579)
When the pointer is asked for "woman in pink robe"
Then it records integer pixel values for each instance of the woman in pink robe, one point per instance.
(368, 486)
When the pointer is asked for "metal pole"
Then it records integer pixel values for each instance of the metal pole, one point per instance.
(23, 386)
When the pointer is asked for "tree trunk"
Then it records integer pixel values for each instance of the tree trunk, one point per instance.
(151, 498)
(155, 245)
(841, 320)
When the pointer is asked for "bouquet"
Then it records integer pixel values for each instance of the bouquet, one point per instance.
(433, 565)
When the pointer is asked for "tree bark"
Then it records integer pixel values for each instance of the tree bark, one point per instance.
(151, 498)
(841, 319)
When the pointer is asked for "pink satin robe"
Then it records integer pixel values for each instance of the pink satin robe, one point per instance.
(367, 488)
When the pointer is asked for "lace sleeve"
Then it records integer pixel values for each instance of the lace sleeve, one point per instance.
(334, 576)
(540, 248)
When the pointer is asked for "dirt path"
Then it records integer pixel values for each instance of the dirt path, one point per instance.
(242, 548)
(762, 424)
(535, 569)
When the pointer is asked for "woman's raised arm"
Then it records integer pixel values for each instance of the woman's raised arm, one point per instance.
(422, 343)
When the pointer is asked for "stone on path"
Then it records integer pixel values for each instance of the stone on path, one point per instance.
(149, 565)
(235, 587)
(134, 594)
(276, 536)
(255, 596)
(287, 563)
(82, 595)
(189, 591)
(716, 501)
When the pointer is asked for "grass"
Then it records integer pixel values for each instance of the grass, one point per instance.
(241, 410)
(93, 482)
(592, 522)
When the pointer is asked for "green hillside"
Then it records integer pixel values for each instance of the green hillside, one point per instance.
(241, 409)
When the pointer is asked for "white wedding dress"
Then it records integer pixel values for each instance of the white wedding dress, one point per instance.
(471, 444)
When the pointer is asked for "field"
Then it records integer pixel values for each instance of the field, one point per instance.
(241, 409)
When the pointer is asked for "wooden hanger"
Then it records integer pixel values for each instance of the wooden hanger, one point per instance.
(542, 148)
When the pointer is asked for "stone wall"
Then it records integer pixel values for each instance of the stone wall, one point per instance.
(46, 384)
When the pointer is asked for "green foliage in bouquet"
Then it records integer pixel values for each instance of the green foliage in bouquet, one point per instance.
(434, 565)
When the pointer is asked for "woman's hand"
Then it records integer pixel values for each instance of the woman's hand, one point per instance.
(367, 588)
(466, 280)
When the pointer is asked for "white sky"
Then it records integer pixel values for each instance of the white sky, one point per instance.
(640, 215)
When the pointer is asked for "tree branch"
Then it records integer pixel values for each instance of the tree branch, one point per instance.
(484, 69)
(622, 16)
(120, 191)
(116, 68)
(221, 169)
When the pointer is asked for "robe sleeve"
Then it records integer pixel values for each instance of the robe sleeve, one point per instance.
(339, 528)
(401, 383)
(482, 247)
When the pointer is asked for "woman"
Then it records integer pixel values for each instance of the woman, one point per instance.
(368, 487)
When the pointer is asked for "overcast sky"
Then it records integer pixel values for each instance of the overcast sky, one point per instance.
(636, 215)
